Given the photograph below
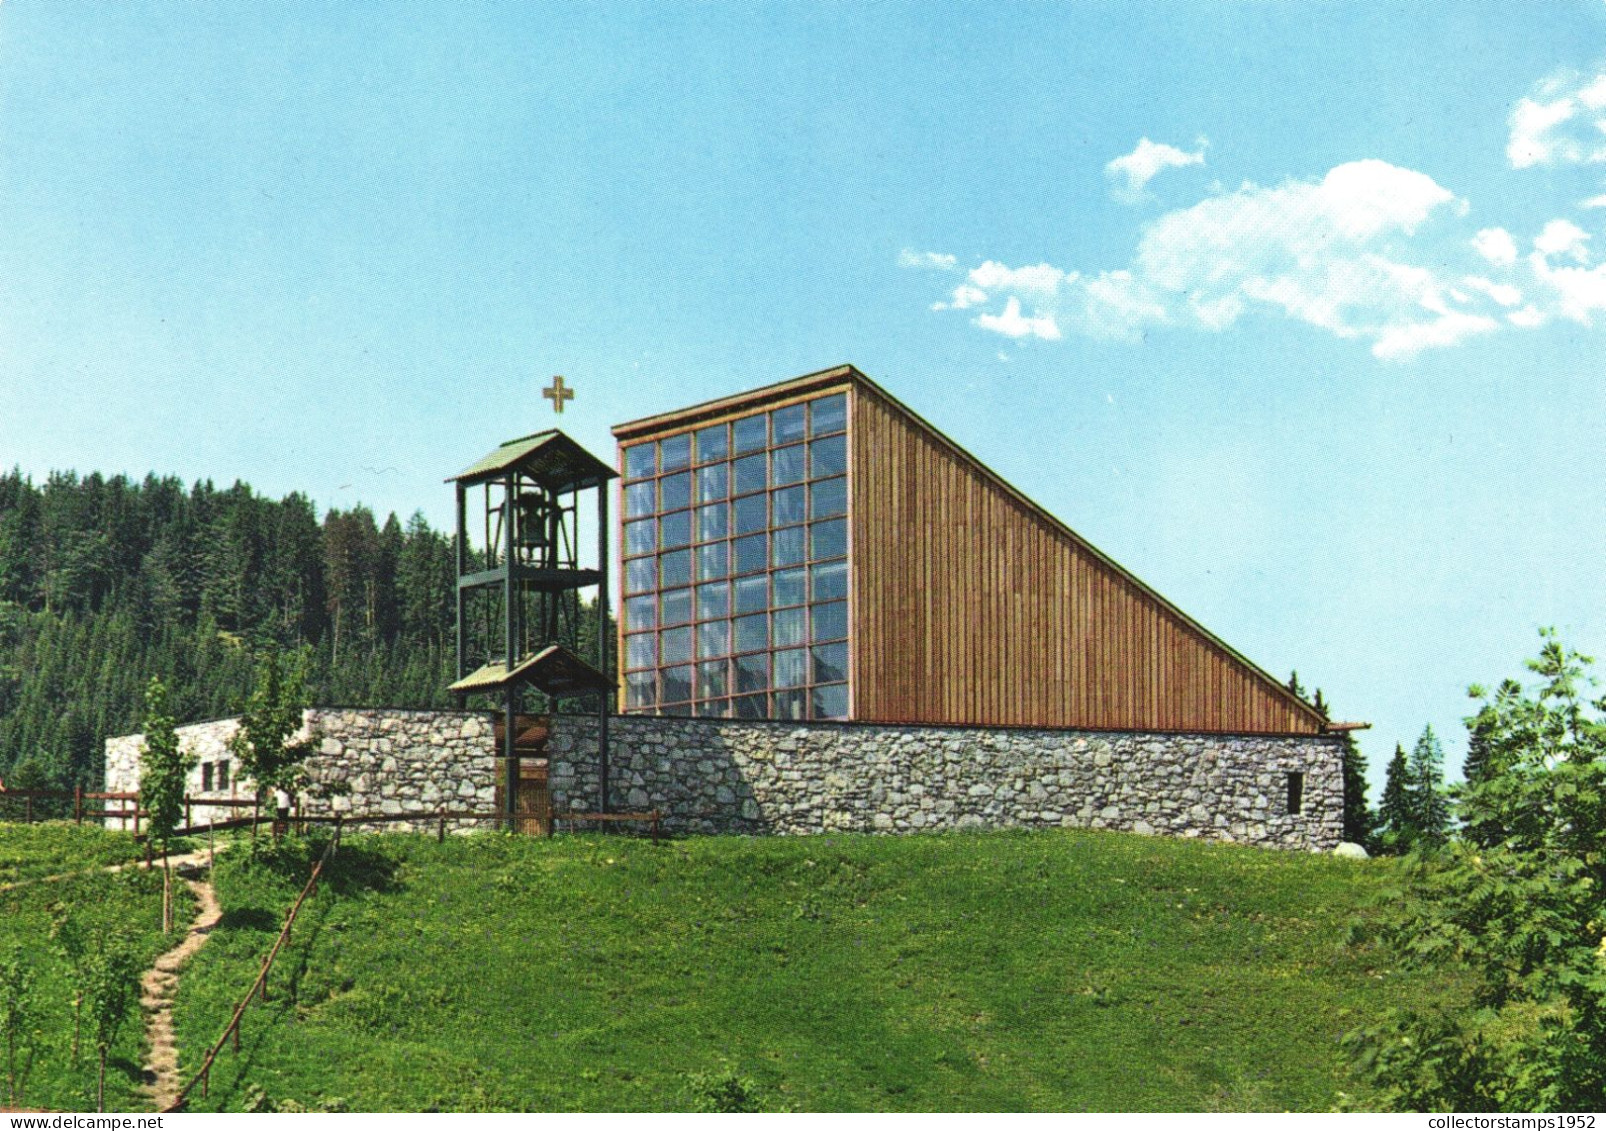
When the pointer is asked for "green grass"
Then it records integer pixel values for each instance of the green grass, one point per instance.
(127, 904)
(29, 852)
(1040, 971)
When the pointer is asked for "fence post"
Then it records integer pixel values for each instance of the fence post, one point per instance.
(78, 803)
(27, 803)
(440, 835)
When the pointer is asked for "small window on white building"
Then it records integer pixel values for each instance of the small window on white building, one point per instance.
(206, 777)
(1296, 793)
(223, 774)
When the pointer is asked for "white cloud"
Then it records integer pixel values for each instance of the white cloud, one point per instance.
(1593, 202)
(1500, 292)
(1563, 237)
(1496, 245)
(1012, 324)
(964, 297)
(929, 260)
(1130, 175)
(1040, 280)
(1359, 253)
(1560, 122)
(1579, 291)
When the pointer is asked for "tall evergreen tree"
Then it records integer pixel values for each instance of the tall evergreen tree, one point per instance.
(1396, 813)
(1430, 804)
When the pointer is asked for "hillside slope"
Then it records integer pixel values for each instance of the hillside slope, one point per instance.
(1037, 971)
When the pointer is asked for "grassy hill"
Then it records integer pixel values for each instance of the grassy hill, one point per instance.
(126, 905)
(1039, 971)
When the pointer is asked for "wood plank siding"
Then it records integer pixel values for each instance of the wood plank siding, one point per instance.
(972, 605)
(969, 604)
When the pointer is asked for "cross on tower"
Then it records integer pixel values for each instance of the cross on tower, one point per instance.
(557, 394)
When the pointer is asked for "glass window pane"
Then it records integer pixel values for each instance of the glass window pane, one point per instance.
(830, 581)
(828, 414)
(787, 547)
(753, 594)
(752, 513)
(750, 433)
(674, 529)
(641, 536)
(790, 587)
(788, 465)
(674, 491)
(713, 522)
(674, 645)
(674, 569)
(790, 704)
(640, 613)
(753, 672)
(640, 575)
(830, 702)
(752, 633)
(641, 651)
(828, 457)
(752, 553)
(751, 706)
(791, 627)
(676, 710)
(713, 483)
(787, 505)
(791, 667)
(674, 453)
(711, 680)
(639, 460)
(829, 498)
(786, 424)
(713, 641)
(828, 539)
(748, 474)
(639, 688)
(713, 561)
(674, 607)
(713, 709)
(639, 500)
(830, 621)
(830, 663)
(713, 600)
(676, 684)
(713, 444)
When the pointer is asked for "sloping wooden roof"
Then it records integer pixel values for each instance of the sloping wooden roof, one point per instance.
(554, 670)
(551, 458)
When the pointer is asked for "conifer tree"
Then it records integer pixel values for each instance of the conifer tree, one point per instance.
(1396, 813)
(1430, 805)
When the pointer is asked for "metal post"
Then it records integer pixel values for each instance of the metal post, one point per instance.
(603, 705)
(462, 568)
(511, 629)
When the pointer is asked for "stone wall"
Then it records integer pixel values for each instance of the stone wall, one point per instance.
(716, 775)
(367, 761)
(721, 775)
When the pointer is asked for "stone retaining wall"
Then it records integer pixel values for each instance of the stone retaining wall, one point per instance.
(716, 775)
(723, 776)
(368, 761)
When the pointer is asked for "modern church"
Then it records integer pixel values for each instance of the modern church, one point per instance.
(815, 550)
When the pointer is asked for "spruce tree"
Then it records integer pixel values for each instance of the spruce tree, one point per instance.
(1430, 804)
(1396, 813)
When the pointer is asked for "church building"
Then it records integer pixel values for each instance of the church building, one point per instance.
(815, 550)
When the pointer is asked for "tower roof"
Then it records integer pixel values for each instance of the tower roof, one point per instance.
(551, 458)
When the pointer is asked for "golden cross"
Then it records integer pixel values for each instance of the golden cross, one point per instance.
(557, 394)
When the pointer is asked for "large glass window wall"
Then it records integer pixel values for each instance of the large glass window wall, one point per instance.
(736, 573)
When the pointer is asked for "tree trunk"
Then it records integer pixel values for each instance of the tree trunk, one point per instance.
(167, 894)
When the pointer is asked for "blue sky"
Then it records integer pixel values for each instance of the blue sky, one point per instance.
(1291, 308)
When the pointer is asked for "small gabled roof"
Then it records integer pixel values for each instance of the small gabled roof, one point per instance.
(551, 458)
(554, 670)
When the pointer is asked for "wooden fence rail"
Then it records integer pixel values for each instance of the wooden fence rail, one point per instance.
(259, 988)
